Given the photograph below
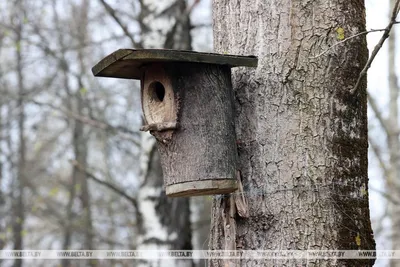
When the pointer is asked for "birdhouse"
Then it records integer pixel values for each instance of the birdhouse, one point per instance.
(188, 106)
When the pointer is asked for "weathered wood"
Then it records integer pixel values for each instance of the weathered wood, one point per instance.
(162, 126)
(158, 100)
(199, 157)
(128, 63)
(193, 90)
(198, 188)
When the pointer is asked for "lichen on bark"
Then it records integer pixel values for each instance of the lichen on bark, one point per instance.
(303, 134)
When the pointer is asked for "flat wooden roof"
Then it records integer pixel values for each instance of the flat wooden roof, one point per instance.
(127, 63)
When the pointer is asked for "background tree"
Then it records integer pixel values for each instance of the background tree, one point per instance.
(82, 147)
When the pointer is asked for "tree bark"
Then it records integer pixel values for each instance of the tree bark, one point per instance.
(191, 151)
(302, 136)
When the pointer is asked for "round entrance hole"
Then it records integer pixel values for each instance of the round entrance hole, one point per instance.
(157, 91)
(158, 97)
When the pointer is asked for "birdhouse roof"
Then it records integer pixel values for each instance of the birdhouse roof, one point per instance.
(127, 63)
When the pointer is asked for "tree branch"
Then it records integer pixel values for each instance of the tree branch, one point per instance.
(378, 114)
(348, 38)
(104, 183)
(378, 155)
(124, 28)
(120, 130)
(385, 195)
(191, 7)
(385, 35)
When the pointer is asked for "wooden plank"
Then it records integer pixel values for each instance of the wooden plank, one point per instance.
(127, 63)
(201, 188)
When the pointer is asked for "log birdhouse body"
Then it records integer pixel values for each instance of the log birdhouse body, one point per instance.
(188, 106)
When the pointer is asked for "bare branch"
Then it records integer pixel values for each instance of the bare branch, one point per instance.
(191, 7)
(124, 28)
(378, 155)
(120, 130)
(200, 25)
(385, 195)
(378, 114)
(348, 38)
(104, 183)
(385, 35)
(379, 222)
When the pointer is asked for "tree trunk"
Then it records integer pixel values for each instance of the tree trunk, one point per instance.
(302, 136)
(2, 167)
(19, 204)
(81, 141)
(164, 223)
(393, 181)
(2, 199)
(79, 138)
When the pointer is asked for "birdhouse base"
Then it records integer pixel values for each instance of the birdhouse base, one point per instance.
(200, 188)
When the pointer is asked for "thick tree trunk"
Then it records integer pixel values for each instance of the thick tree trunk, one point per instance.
(164, 223)
(302, 135)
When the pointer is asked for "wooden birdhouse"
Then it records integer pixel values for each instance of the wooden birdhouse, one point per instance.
(188, 106)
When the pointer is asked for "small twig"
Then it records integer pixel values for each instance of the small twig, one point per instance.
(118, 130)
(346, 39)
(104, 183)
(385, 195)
(378, 155)
(379, 115)
(379, 222)
(191, 7)
(378, 46)
(200, 25)
(124, 28)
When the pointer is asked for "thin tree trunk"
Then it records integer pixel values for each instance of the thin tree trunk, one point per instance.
(302, 137)
(80, 149)
(393, 182)
(164, 223)
(67, 235)
(2, 196)
(81, 141)
(19, 207)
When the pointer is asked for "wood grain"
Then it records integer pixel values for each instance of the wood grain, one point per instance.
(128, 63)
(199, 157)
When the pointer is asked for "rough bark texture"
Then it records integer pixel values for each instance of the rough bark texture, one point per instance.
(302, 135)
(164, 223)
(199, 157)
